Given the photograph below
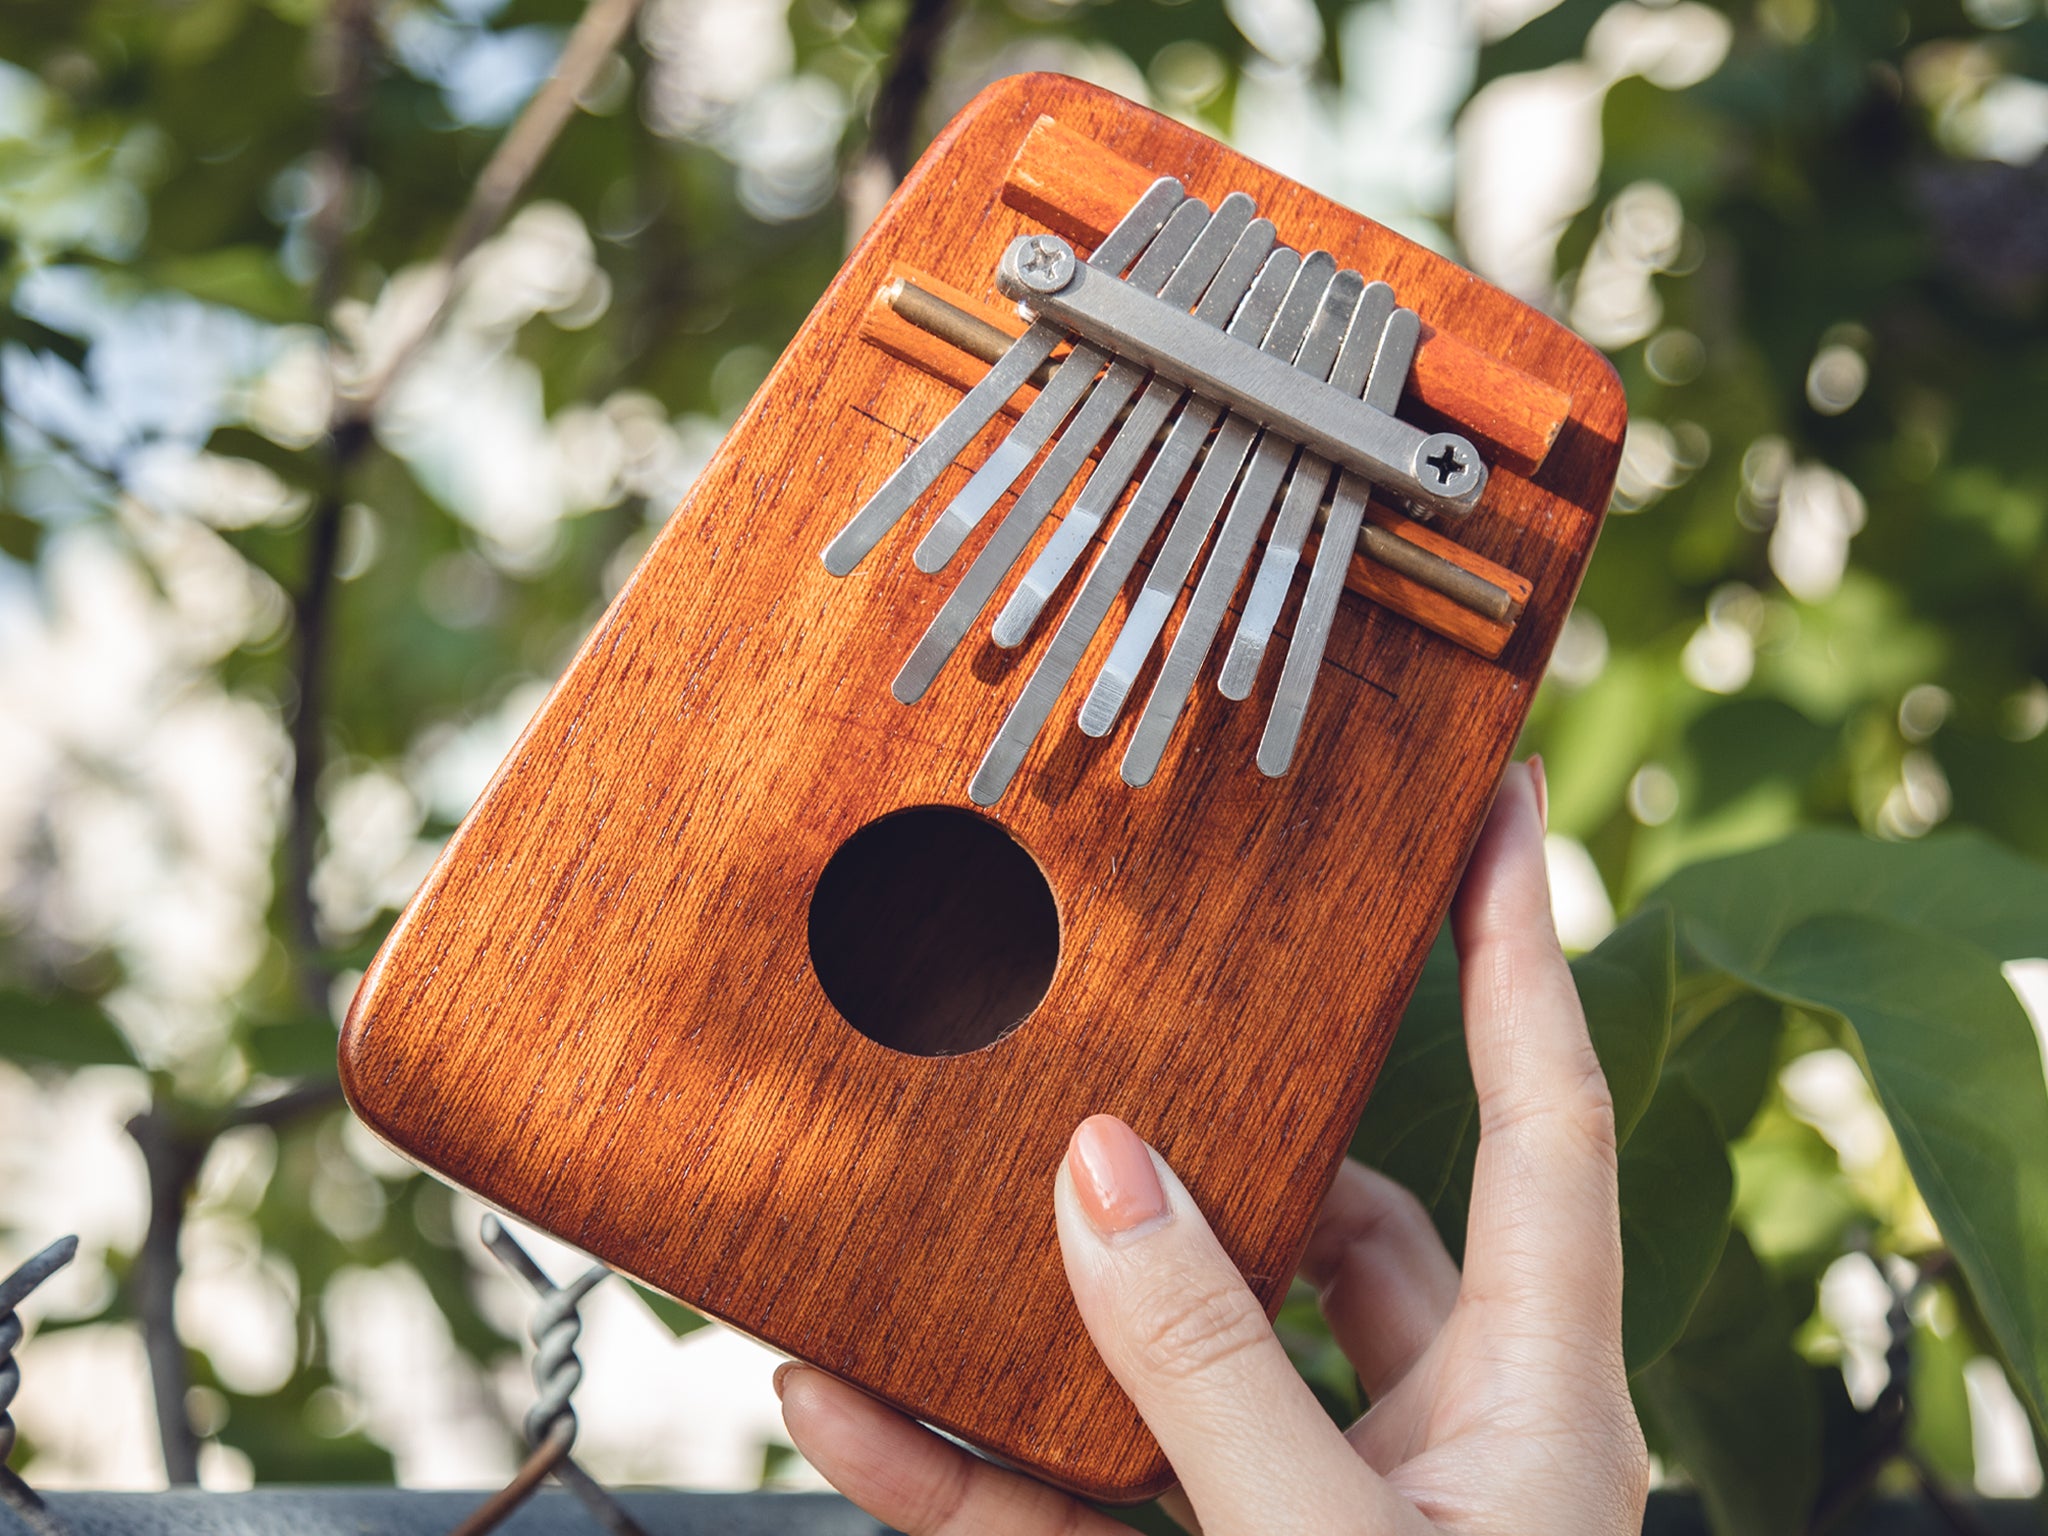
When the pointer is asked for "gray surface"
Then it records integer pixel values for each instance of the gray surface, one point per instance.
(407, 1512)
(402, 1512)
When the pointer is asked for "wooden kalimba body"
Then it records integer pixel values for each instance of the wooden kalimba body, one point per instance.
(782, 994)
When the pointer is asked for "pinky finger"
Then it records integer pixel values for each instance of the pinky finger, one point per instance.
(910, 1479)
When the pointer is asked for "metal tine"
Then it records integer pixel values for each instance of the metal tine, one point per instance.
(1333, 558)
(1198, 257)
(1091, 509)
(914, 476)
(1133, 530)
(1197, 515)
(1226, 567)
(1098, 498)
(995, 559)
(1298, 507)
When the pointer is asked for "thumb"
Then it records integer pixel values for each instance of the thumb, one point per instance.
(1187, 1339)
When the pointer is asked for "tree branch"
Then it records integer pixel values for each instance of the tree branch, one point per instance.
(512, 165)
(171, 1158)
(348, 47)
(893, 121)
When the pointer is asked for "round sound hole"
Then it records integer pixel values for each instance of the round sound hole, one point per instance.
(933, 931)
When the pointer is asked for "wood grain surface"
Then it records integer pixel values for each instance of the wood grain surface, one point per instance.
(599, 1011)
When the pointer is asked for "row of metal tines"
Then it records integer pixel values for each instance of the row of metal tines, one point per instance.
(1225, 265)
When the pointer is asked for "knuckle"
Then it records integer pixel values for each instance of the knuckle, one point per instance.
(1578, 1105)
(1187, 1326)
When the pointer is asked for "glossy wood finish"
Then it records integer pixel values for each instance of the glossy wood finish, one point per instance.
(598, 1013)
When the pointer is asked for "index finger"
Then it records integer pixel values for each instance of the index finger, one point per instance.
(1543, 1235)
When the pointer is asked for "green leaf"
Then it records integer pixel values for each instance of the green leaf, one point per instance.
(1421, 1125)
(63, 1031)
(1626, 986)
(244, 277)
(1961, 884)
(1735, 1404)
(1727, 1059)
(293, 1048)
(1940, 1422)
(1556, 36)
(1676, 1192)
(679, 1318)
(1957, 1068)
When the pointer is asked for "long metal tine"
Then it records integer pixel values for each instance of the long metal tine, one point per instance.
(1178, 267)
(1333, 558)
(1133, 530)
(992, 563)
(1226, 565)
(1198, 512)
(1098, 497)
(914, 476)
(1298, 507)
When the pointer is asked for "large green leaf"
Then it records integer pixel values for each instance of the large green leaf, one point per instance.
(1736, 1406)
(64, 1031)
(1626, 985)
(1676, 1191)
(1961, 884)
(1421, 1125)
(1727, 1058)
(1957, 1067)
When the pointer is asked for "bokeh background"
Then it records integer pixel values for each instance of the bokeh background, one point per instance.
(336, 406)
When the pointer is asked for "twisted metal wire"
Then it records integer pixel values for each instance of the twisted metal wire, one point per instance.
(16, 1494)
(551, 1422)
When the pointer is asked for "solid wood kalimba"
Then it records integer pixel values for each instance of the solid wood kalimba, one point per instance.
(800, 929)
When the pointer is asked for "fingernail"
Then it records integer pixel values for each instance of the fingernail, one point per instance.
(1114, 1177)
(781, 1376)
(1542, 787)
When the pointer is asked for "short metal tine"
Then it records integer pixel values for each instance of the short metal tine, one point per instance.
(1226, 566)
(995, 559)
(1119, 462)
(1390, 366)
(1298, 506)
(1198, 512)
(1113, 392)
(1192, 246)
(1106, 577)
(914, 476)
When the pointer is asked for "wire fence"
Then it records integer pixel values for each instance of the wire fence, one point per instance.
(522, 1508)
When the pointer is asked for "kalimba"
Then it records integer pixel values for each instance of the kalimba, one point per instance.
(930, 787)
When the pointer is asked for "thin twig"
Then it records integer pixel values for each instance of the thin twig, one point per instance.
(280, 1109)
(1952, 1514)
(348, 47)
(892, 124)
(598, 31)
(171, 1156)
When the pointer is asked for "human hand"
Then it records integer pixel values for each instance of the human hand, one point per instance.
(1499, 1399)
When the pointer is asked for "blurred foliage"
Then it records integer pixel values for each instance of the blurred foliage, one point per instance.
(1815, 632)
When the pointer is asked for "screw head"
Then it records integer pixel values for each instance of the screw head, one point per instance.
(1045, 263)
(1447, 465)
